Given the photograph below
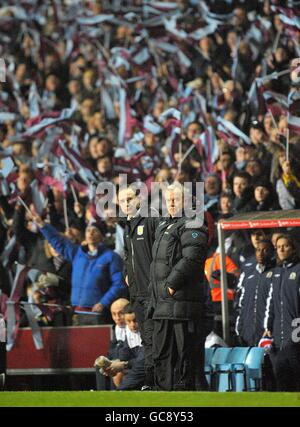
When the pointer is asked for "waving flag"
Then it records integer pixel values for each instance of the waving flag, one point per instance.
(231, 133)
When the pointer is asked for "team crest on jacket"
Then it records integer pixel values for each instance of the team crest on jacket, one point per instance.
(195, 234)
(293, 276)
(269, 274)
(140, 230)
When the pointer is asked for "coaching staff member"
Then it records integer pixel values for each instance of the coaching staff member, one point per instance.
(139, 236)
(178, 298)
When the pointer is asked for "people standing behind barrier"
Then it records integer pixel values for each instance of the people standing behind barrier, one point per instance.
(96, 273)
(117, 344)
(253, 289)
(138, 241)
(178, 298)
(282, 315)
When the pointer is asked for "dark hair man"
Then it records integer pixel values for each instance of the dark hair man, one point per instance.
(138, 241)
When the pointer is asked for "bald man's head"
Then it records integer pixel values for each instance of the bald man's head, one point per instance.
(117, 311)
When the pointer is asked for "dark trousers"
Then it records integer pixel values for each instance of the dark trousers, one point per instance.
(134, 378)
(286, 365)
(140, 306)
(178, 353)
(2, 357)
(103, 382)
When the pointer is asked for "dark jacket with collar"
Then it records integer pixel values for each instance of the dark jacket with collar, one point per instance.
(283, 303)
(253, 289)
(139, 237)
(179, 255)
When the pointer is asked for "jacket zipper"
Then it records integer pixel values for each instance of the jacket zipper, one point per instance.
(132, 257)
(255, 309)
(281, 313)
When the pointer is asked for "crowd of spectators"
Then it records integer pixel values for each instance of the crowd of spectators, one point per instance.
(183, 91)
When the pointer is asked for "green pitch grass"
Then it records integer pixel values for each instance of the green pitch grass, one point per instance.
(146, 399)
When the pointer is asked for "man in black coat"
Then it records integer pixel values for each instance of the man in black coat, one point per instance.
(178, 298)
(138, 241)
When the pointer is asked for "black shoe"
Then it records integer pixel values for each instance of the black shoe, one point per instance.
(146, 388)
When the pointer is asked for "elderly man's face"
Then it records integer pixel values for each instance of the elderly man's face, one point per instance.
(174, 202)
(117, 314)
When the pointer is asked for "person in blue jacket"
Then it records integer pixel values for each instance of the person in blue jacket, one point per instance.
(97, 273)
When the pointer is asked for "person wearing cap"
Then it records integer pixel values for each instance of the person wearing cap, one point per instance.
(282, 315)
(265, 196)
(97, 272)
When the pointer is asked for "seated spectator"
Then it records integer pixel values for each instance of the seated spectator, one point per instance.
(133, 369)
(117, 344)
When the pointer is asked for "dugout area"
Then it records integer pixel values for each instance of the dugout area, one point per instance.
(248, 221)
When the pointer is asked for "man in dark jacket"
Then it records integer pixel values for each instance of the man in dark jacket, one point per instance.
(178, 298)
(117, 343)
(282, 313)
(139, 236)
(96, 272)
(130, 364)
(253, 291)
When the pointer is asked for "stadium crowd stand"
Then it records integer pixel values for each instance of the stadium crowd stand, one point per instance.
(187, 91)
